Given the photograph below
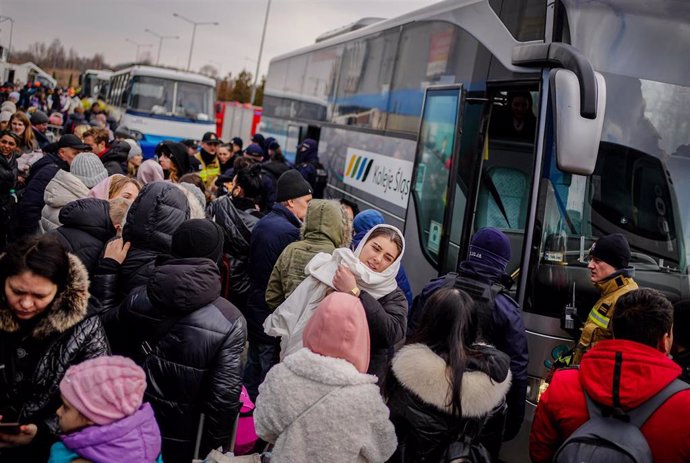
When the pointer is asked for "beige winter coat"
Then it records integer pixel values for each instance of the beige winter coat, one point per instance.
(62, 189)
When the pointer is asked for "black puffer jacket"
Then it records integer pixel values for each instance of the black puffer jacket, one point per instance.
(237, 217)
(417, 390)
(154, 216)
(387, 318)
(196, 338)
(8, 173)
(35, 356)
(86, 228)
(115, 158)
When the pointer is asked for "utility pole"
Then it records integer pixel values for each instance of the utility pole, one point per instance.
(160, 42)
(194, 24)
(261, 49)
(139, 46)
(11, 20)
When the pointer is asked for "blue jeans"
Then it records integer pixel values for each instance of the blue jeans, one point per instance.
(260, 358)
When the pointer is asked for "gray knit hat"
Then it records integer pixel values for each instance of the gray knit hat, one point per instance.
(134, 149)
(88, 168)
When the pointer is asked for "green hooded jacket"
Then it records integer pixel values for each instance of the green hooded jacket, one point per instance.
(326, 227)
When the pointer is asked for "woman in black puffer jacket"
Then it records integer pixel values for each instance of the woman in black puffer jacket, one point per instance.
(189, 340)
(46, 326)
(154, 216)
(446, 392)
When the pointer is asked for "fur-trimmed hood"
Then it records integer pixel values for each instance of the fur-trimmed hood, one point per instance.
(68, 308)
(423, 372)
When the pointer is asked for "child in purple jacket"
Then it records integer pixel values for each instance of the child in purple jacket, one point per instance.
(102, 417)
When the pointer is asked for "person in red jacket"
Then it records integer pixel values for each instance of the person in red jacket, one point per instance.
(642, 329)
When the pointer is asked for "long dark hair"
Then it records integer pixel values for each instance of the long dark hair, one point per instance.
(41, 255)
(449, 327)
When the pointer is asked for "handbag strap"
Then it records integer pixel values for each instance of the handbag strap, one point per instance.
(304, 412)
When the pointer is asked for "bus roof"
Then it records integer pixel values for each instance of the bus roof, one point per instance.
(477, 18)
(165, 73)
(103, 73)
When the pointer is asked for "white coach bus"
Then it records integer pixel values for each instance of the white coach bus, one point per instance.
(557, 122)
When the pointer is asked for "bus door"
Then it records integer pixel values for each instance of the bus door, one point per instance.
(435, 214)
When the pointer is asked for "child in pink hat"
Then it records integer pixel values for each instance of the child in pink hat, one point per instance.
(102, 417)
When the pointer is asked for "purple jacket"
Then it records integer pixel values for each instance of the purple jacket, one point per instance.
(134, 438)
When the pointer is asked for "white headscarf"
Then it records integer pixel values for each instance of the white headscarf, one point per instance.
(290, 317)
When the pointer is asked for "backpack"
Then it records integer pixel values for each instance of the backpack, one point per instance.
(614, 436)
(483, 294)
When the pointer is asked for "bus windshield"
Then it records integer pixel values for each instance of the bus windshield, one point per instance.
(170, 98)
(639, 187)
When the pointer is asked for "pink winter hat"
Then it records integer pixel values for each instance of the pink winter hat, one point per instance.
(339, 329)
(104, 389)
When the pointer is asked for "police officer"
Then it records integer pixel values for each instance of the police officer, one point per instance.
(209, 168)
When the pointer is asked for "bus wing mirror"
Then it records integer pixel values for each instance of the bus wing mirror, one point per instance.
(576, 137)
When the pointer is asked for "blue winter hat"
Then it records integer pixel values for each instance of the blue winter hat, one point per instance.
(366, 220)
(490, 246)
(254, 150)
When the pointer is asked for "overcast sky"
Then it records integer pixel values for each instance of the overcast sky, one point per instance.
(102, 26)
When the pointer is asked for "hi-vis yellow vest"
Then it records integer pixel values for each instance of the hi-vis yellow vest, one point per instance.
(597, 325)
(209, 172)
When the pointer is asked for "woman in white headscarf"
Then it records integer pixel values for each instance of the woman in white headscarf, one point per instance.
(368, 273)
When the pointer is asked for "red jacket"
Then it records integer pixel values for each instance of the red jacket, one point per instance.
(645, 371)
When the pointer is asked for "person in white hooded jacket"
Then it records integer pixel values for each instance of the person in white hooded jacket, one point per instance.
(318, 405)
(369, 274)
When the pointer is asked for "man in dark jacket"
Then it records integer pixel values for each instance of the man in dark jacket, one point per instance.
(113, 155)
(489, 255)
(270, 236)
(237, 214)
(619, 375)
(39, 124)
(189, 340)
(307, 163)
(42, 172)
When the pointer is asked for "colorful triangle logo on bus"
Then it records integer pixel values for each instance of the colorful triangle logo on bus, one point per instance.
(359, 167)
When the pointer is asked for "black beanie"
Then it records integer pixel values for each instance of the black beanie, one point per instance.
(612, 249)
(198, 238)
(291, 185)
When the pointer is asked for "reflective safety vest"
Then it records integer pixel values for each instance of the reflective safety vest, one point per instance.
(208, 172)
(597, 325)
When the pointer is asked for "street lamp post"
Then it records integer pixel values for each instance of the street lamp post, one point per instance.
(139, 46)
(194, 24)
(160, 42)
(11, 20)
(261, 49)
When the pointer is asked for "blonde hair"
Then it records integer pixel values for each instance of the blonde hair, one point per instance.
(118, 210)
(118, 182)
(80, 130)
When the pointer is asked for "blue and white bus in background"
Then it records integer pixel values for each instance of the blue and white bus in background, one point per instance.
(157, 104)
(556, 121)
(95, 83)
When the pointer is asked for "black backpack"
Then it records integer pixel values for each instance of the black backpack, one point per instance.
(483, 294)
(614, 436)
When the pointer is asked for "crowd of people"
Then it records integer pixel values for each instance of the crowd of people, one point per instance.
(142, 298)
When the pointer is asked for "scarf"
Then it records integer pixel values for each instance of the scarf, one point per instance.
(290, 318)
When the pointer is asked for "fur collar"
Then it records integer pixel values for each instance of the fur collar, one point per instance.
(422, 372)
(68, 308)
